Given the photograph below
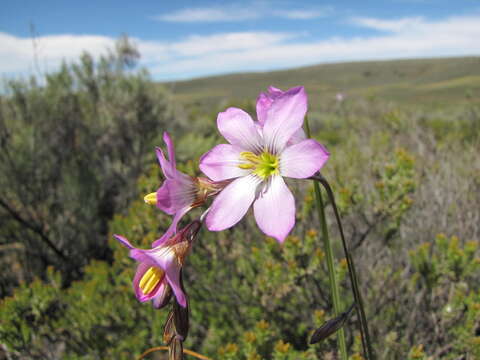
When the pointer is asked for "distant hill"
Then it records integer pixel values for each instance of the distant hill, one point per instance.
(423, 82)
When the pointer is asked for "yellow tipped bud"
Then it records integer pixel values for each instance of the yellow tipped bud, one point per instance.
(151, 198)
(150, 280)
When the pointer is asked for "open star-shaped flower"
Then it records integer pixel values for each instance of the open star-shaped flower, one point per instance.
(258, 156)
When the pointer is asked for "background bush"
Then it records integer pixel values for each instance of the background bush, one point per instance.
(72, 149)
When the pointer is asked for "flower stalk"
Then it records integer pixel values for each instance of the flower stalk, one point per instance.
(329, 255)
(331, 270)
(166, 348)
(365, 336)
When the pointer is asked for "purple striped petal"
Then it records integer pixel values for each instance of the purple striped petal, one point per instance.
(123, 240)
(170, 149)
(264, 101)
(284, 118)
(232, 203)
(297, 137)
(303, 160)
(181, 191)
(275, 209)
(239, 129)
(263, 104)
(164, 199)
(167, 168)
(172, 229)
(164, 294)
(167, 235)
(142, 256)
(274, 92)
(173, 277)
(221, 163)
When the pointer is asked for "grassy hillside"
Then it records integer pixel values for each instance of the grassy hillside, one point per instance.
(426, 82)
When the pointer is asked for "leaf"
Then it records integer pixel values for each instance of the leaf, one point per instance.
(331, 326)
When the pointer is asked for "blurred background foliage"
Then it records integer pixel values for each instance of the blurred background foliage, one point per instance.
(77, 156)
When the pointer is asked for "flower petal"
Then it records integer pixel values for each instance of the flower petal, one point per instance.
(297, 137)
(221, 163)
(263, 104)
(164, 200)
(264, 101)
(173, 277)
(275, 209)
(172, 229)
(170, 149)
(163, 295)
(303, 160)
(274, 92)
(239, 129)
(167, 168)
(232, 203)
(284, 117)
(159, 256)
(176, 193)
(123, 240)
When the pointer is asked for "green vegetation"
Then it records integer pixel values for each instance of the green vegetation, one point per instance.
(427, 83)
(77, 157)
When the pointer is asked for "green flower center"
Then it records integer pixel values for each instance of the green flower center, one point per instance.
(263, 165)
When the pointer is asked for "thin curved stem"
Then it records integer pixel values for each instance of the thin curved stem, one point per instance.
(330, 263)
(165, 348)
(366, 342)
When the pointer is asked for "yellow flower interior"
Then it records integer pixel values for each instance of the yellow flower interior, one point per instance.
(151, 198)
(263, 165)
(150, 280)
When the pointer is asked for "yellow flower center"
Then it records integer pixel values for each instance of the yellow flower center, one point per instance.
(150, 279)
(263, 165)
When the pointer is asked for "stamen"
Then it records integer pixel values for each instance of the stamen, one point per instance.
(264, 165)
(151, 198)
(150, 280)
(247, 155)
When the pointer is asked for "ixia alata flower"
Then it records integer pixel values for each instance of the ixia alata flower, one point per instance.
(259, 155)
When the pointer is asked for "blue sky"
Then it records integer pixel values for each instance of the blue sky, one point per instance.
(184, 39)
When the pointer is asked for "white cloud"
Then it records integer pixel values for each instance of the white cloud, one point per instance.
(19, 54)
(455, 36)
(304, 14)
(240, 41)
(241, 12)
(257, 51)
(209, 15)
(403, 24)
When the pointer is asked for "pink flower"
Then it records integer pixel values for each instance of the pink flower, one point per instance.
(158, 271)
(179, 192)
(259, 155)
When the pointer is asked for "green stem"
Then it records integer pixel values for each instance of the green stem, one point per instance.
(331, 269)
(366, 342)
